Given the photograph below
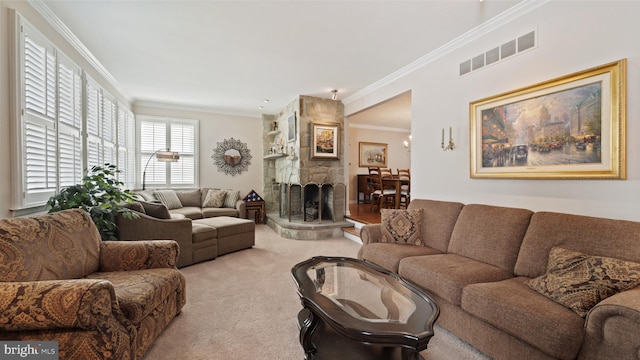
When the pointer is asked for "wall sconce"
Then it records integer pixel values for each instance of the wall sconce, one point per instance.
(407, 144)
(335, 94)
(451, 145)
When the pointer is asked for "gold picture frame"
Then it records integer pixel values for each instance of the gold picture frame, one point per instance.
(571, 127)
(372, 154)
(325, 141)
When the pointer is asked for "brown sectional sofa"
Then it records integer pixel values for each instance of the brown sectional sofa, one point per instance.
(203, 233)
(476, 261)
(192, 204)
(99, 300)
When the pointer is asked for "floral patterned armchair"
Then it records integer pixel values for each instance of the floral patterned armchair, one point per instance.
(98, 300)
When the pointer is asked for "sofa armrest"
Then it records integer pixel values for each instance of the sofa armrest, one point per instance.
(88, 304)
(241, 206)
(138, 255)
(612, 328)
(370, 233)
(146, 227)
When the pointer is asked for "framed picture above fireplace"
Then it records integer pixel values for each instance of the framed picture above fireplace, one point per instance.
(325, 141)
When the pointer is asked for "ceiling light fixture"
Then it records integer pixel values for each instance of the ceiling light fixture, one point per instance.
(335, 94)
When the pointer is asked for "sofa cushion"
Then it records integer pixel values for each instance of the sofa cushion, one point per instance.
(513, 307)
(447, 274)
(190, 197)
(169, 198)
(215, 212)
(214, 198)
(401, 226)
(491, 234)
(201, 232)
(388, 255)
(157, 210)
(191, 212)
(231, 198)
(591, 235)
(579, 281)
(139, 292)
(227, 226)
(438, 220)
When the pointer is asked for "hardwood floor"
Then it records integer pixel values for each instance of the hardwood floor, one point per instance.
(362, 213)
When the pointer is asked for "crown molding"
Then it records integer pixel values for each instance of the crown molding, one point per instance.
(197, 109)
(381, 128)
(41, 7)
(522, 8)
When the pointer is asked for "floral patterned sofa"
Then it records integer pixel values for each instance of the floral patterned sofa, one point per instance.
(98, 300)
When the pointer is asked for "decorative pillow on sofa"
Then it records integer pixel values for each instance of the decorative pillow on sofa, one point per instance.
(232, 197)
(579, 281)
(135, 206)
(169, 198)
(190, 197)
(401, 226)
(214, 198)
(156, 210)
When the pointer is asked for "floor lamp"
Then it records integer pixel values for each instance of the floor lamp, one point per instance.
(162, 155)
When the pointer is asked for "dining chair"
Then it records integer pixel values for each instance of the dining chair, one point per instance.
(405, 189)
(379, 195)
(386, 172)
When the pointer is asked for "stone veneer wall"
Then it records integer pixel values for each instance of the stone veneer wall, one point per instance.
(297, 166)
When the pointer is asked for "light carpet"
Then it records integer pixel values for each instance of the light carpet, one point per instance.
(244, 305)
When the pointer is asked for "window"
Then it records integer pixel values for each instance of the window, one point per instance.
(54, 142)
(165, 133)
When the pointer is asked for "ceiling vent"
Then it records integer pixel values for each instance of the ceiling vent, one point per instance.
(516, 46)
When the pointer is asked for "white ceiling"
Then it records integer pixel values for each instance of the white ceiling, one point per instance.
(229, 56)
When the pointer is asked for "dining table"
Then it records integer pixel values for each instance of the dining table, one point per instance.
(396, 182)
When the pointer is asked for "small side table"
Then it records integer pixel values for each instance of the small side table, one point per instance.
(258, 209)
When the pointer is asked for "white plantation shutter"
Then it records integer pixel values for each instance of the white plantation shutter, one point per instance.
(38, 140)
(95, 155)
(54, 141)
(183, 141)
(69, 123)
(153, 136)
(126, 147)
(177, 135)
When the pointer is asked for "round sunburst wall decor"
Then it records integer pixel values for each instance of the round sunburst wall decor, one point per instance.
(232, 156)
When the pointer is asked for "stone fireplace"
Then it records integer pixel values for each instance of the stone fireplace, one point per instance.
(305, 197)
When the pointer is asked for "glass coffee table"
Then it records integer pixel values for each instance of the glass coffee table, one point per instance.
(357, 310)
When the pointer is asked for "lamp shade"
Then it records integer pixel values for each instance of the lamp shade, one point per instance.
(167, 156)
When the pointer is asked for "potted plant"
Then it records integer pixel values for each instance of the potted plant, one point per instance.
(101, 195)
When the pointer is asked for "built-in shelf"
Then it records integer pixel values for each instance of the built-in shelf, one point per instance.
(274, 156)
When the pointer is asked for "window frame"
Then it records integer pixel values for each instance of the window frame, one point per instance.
(144, 156)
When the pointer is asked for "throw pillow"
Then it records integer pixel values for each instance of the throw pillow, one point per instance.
(157, 210)
(169, 198)
(135, 206)
(147, 195)
(579, 281)
(401, 226)
(190, 197)
(215, 198)
(232, 197)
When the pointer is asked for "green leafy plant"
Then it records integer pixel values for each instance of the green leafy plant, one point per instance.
(101, 195)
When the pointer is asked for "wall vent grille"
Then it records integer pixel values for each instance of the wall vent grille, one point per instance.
(516, 46)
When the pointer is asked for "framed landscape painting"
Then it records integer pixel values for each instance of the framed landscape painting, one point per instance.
(567, 128)
(372, 154)
(325, 141)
